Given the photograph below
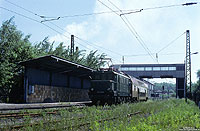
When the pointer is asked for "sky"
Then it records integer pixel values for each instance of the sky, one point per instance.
(158, 30)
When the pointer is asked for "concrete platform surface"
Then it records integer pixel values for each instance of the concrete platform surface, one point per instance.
(6, 106)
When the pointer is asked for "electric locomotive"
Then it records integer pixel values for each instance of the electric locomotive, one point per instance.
(109, 86)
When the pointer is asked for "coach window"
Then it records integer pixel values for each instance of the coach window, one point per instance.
(164, 68)
(140, 68)
(132, 68)
(172, 68)
(124, 68)
(148, 68)
(156, 68)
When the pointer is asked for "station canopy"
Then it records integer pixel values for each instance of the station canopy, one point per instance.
(56, 64)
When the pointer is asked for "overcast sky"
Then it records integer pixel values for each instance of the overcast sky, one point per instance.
(108, 33)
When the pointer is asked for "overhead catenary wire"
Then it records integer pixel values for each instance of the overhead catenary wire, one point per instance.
(46, 26)
(82, 15)
(124, 12)
(145, 46)
(138, 55)
(140, 39)
(38, 22)
(160, 7)
(130, 11)
(58, 17)
(41, 16)
(57, 30)
(130, 28)
(87, 42)
(170, 43)
(186, 4)
(87, 14)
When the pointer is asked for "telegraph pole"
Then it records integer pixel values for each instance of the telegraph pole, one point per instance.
(187, 65)
(123, 59)
(72, 46)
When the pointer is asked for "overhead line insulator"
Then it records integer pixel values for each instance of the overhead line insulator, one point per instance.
(192, 3)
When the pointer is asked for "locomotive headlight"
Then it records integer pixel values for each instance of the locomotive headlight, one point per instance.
(92, 89)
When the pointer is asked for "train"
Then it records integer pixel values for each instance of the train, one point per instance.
(110, 86)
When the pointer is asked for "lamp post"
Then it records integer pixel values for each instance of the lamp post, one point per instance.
(187, 76)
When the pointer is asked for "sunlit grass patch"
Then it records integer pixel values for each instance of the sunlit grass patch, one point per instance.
(172, 114)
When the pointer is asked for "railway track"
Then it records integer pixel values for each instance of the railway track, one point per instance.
(43, 113)
(102, 120)
(37, 116)
(21, 115)
(17, 127)
(72, 124)
(32, 114)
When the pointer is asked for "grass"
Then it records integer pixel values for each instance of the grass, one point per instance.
(167, 115)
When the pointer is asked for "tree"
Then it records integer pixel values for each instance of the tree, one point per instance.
(91, 60)
(198, 74)
(14, 48)
(94, 61)
(77, 56)
(196, 86)
(196, 91)
(170, 86)
(44, 48)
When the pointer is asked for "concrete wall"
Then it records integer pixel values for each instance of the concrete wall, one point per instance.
(56, 94)
(41, 84)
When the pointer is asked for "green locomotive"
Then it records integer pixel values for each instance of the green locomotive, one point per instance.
(109, 86)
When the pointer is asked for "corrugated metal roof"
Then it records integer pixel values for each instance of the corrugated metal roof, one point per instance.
(56, 64)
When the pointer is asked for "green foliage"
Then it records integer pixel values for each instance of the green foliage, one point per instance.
(173, 118)
(198, 73)
(92, 60)
(15, 48)
(61, 51)
(44, 48)
(167, 86)
(170, 86)
(168, 115)
(196, 89)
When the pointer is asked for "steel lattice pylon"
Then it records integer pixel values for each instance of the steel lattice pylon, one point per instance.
(187, 64)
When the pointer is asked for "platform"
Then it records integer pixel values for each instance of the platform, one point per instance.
(6, 106)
